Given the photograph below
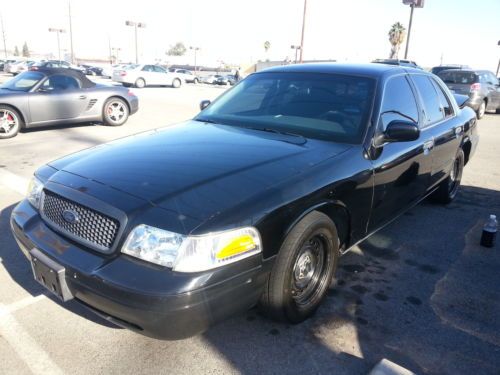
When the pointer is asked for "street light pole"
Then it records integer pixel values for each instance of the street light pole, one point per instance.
(412, 6)
(71, 33)
(296, 48)
(136, 25)
(57, 31)
(195, 49)
(302, 35)
(3, 36)
(498, 66)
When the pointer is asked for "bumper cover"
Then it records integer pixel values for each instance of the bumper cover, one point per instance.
(148, 299)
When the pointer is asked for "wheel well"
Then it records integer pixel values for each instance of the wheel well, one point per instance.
(466, 147)
(340, 216)
(23, 120)
(121, 98)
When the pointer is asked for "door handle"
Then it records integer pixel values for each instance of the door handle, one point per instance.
(428, 145)
(82, 97)
(458, 131)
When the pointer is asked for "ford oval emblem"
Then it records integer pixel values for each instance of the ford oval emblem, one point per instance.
(70, 216)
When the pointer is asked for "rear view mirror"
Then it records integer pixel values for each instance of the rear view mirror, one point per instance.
(204, 104)
(401, 131)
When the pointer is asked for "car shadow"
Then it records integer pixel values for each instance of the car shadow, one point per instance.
(386, 301)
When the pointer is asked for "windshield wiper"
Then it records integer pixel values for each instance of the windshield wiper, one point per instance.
(270, 130)
(208, 121)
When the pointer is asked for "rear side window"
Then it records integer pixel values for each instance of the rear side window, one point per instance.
(430, 99)
(399, 102)
(458, 77)
(446, 107)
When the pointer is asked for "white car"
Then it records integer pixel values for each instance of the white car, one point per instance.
(107, 71)
(211, 79)
(146, 75)
(187, 75)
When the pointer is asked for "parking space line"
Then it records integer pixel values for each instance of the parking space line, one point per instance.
(14, 182)
(38, 361)
(18, 305)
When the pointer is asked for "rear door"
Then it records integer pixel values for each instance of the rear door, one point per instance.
(401, 169)
(60, 97)
(493, 89)
(441, 125)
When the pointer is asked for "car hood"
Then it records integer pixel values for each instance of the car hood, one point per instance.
(198, 169)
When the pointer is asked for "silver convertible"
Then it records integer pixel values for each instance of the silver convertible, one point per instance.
(61, 96)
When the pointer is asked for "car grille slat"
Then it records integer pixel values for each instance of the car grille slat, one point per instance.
(92, 227)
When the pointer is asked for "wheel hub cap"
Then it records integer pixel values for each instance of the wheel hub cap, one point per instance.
(7, 121)
(304, 269)
(116, 111)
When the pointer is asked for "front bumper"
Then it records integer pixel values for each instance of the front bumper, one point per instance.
(146, 298)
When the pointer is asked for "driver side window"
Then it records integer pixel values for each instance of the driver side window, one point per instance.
(59, 82)
(399, 102)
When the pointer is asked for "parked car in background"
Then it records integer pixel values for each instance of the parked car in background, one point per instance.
(55, 64)
(142, 75)
(252, 202)
(90, 70)
(211, 78)
(481, 86)
(53, 96)
(408, 63)
(226, 80)
(18, 67)
(187, 75)
(440, 68)
(107, 71)
(4, 62)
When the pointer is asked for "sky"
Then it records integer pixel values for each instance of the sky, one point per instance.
(234, 31)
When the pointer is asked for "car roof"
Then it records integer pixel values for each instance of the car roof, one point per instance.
(461, 71)
(86, 83)
(372, 69)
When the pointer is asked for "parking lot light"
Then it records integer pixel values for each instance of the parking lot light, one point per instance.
(498, 66)
(195, 49)
(136, 25)
(296, 48)
(57, 31)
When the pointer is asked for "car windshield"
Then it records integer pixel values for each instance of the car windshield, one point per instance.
(458, 77)
(23, 82)
(130, 66)
(314, 105)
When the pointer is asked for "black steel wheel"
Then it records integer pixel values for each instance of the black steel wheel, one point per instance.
(448, 188)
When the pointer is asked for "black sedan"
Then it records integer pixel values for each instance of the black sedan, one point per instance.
(251, 202)
(54, 96)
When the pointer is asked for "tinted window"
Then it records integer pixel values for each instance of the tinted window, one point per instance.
(148, 68)
(430, 99)
(158, 69)
(447, 109)
(23, 82)
(59, 82)
(398, 97)
(491, 79)
(323, 106)
(458, 77)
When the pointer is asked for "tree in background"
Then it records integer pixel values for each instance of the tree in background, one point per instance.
(16, 51)
(179, 49)
(267, 45)
(26, 50)
(397, 35)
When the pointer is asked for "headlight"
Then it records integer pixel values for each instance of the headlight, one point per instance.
(192, 253)
(35, 192)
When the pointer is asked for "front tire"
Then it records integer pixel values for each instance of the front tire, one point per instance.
(448, 189)
(481, 110)
(303, 270)
(10, 122)
(140, 83)
(176, 83)
(115, 112)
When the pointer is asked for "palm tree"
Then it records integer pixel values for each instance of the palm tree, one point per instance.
(397, 35)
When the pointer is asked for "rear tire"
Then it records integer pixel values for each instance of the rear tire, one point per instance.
(481, 110)
(176, 83)
(140, 83)
(448, 189)
(10, 122)
(115, 112)
(196, 81)
(303, 270)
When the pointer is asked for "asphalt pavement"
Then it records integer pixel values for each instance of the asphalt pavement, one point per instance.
(421, 292)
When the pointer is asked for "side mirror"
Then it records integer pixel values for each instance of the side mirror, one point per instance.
(461, 99)
(204, 104)
(401, 131)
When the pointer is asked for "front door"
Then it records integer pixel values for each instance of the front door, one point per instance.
(59, 98)
(401, 169)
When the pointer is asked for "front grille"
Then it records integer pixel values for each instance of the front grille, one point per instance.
(89, 225)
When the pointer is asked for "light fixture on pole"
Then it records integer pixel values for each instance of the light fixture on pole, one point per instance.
(296, 48)
(413, 4)
(136, 25)
(57, 31)
(195, 49)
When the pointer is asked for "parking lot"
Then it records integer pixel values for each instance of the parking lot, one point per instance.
(421, 292)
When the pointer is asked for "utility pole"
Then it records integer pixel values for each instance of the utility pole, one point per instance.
(3, 36)
(195, 49)
(303, 29)
(71, 33)
(136, 25)
(57, 31)
(413, 4)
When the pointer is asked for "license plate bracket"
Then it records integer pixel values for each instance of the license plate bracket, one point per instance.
(50, 275)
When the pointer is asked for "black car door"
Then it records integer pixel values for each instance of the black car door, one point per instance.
(441, 124)
(401, 169)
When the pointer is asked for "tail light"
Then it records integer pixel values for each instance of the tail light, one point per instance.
(123, 73)
(130, 93)
(34, 68)
(475, 87)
